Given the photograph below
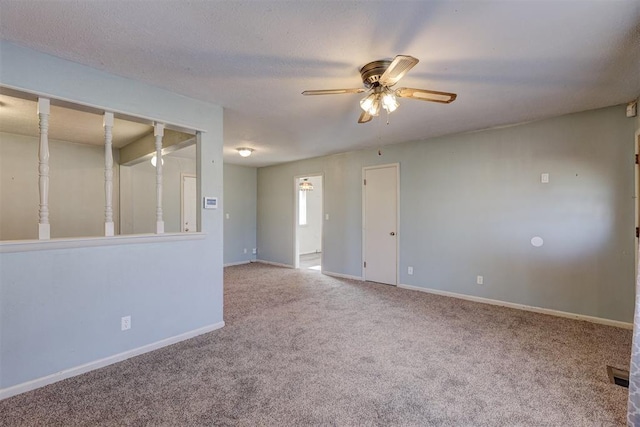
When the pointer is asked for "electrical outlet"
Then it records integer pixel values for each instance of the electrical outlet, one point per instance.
(245, 250)
(125, 323)
(254, 251)
(326, 217)
(480, 280)
(226, 216)
(409, 270)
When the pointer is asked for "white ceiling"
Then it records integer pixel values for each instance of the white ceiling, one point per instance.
(20, 116)
(508, 61)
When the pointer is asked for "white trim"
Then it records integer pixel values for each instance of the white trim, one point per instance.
(22, 93)
(231, 264)
(551, 312)
(277, 264)
(363, 189)
(10, 246)
(97, 364)
(636, 181)
(342, 276)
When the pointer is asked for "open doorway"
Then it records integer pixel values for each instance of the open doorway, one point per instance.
(308, 227)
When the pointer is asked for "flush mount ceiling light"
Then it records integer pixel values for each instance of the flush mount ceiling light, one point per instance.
(379, 77)
(245, 151)
(305, 185)
(154, 160)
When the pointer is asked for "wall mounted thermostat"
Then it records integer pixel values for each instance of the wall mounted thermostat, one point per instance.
(210, 203)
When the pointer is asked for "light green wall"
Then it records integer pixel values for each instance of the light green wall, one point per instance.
(470, 203)
(138, 192)
(76, 190)
(61, 308)
(240, 204)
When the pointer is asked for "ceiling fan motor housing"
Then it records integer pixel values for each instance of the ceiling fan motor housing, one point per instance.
(372, 71)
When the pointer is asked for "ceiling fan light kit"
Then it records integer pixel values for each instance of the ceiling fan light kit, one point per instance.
(384, 98)
(371, 104)
(378, 78)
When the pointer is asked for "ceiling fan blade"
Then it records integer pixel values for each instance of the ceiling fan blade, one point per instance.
(426, 95)
(365, 117)
(400, 65)
(332, 91)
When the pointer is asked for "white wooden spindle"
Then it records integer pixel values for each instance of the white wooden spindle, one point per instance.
(44, 228)
(158, 132)
(108, 174)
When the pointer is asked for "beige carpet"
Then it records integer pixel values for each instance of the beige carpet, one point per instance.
(301, 348)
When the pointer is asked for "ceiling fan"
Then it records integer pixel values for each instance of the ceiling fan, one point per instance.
(378, 78)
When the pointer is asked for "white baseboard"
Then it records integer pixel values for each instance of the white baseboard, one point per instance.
(558, 313)
(97, 364)
(231, 264)
(342, 276)
(277, 264)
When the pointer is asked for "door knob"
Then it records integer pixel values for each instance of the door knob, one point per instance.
(392, 233)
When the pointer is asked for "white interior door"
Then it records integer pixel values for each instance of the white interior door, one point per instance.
(189, 204)
(380, 224)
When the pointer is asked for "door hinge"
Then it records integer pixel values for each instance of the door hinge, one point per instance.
(638, 232)
(365, 264)
(637, 161)
(365, 181)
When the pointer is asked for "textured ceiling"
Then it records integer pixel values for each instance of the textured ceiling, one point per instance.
(508, 61)
(20, 116)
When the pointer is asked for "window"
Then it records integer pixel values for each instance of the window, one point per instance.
(54, 158)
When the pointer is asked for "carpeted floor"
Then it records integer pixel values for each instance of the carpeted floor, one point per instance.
(301, 348)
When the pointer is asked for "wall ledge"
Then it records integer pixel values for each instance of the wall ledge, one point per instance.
(101, 363)
(11, 246)
(557, 313)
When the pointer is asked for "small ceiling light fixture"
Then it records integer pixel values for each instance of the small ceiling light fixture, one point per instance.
(389, 101)
(154, 161)
(245, 151)
(371, 104)
(380, 97)
(305, 185)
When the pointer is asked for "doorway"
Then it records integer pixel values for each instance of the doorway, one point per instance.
(188, 212)
(637, 196)
(380, 223)
(308, 222)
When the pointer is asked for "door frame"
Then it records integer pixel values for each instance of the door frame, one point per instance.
(636, 143)
(182, 177)
(364, 216)
(296, 194)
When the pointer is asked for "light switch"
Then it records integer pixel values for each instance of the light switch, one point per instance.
(226, 216)
(544, 178)
(326, 217)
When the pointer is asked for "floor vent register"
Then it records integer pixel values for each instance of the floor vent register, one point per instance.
(618, 376)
